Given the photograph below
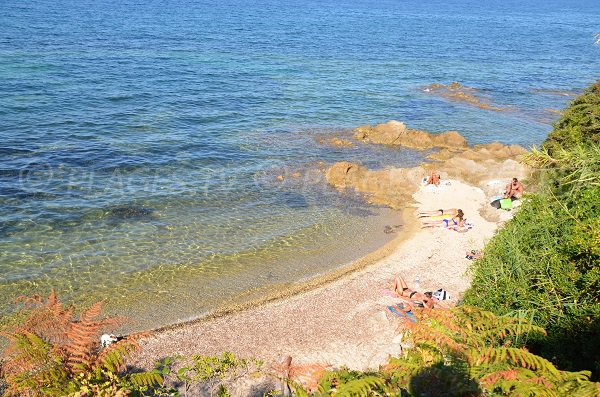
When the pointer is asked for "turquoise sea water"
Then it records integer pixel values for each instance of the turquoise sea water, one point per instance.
(140, 141)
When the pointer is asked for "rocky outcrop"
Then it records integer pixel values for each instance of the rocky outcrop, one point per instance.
(391, 187)
(488, 167)
(491, 151)
(458, 92)
(396, 133)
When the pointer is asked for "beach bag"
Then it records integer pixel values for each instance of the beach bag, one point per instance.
(506, 204)
(441, 295)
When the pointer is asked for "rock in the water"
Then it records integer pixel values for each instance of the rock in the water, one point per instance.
(458, 92)
(396, 133)
(392, 187)
(131, 212)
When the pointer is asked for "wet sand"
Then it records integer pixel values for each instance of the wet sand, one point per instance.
(341, 319)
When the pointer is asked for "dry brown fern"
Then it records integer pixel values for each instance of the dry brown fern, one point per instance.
(51, 347)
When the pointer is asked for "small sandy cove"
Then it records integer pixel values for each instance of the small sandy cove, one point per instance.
(344, 322)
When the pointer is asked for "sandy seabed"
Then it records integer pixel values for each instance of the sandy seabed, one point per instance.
(344, 322)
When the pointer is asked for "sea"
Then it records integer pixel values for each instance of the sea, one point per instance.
(167, 156)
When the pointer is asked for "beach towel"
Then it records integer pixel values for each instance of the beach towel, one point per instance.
(495, 201)
(398, 311)
(506, 204)
(442, 216)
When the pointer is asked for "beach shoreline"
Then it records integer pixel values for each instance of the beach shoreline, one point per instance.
(277, 292)
(340, 319)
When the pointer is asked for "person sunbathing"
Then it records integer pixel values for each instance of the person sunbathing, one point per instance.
(439, 213)
(455, 221)
(434, 179)
(414, 297)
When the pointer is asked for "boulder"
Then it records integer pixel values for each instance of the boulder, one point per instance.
(396, 133)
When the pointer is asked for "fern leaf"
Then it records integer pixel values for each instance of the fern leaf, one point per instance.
(145, 379)
(360, 387)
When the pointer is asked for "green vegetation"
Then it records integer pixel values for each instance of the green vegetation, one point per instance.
(51, 353)
(211, 371)
(461, 352)
(579, 124)
(545, 263)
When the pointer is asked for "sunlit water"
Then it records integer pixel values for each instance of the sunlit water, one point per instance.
(140, 141)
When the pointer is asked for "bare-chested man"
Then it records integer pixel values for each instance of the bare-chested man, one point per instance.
(514, 189)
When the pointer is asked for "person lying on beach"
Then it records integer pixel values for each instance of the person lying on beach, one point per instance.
(514, 190)
(414, 297)
(434, 179)
(440, 212)
(455, 221)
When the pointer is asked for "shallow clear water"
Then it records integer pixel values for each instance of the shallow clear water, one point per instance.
(140, 141)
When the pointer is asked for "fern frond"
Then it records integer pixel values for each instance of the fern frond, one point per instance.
(518, 357)
(113, 358)
(51, 350)
(359, 387)
(145, 379)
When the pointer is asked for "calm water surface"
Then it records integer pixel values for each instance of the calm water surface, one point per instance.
(140, 141)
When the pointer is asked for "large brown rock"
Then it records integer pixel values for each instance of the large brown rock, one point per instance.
(392, 187)
(396, 133)
(491, 151)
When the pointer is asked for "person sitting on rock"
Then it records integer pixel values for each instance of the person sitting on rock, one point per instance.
(434, 179)
(514, 190)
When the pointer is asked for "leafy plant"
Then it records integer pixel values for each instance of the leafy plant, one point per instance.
(464, 351)
(211, 371)
(545, 260)
(51, 353)
(579, 124)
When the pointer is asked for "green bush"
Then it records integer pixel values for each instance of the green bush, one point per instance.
(580, 123)
(464, 352)
(545, 262)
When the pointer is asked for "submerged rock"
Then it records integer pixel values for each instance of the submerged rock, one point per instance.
(335, 141)
(458, 92)
(396, 133)
(130, 212)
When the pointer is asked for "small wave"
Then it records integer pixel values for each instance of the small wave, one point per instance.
(10, 151)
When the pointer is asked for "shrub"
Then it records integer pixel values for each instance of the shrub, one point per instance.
(579, 124)
(544, 262)
(464, 351)
(53, 354)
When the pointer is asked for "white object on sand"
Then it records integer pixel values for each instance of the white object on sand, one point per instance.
(107, 340)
